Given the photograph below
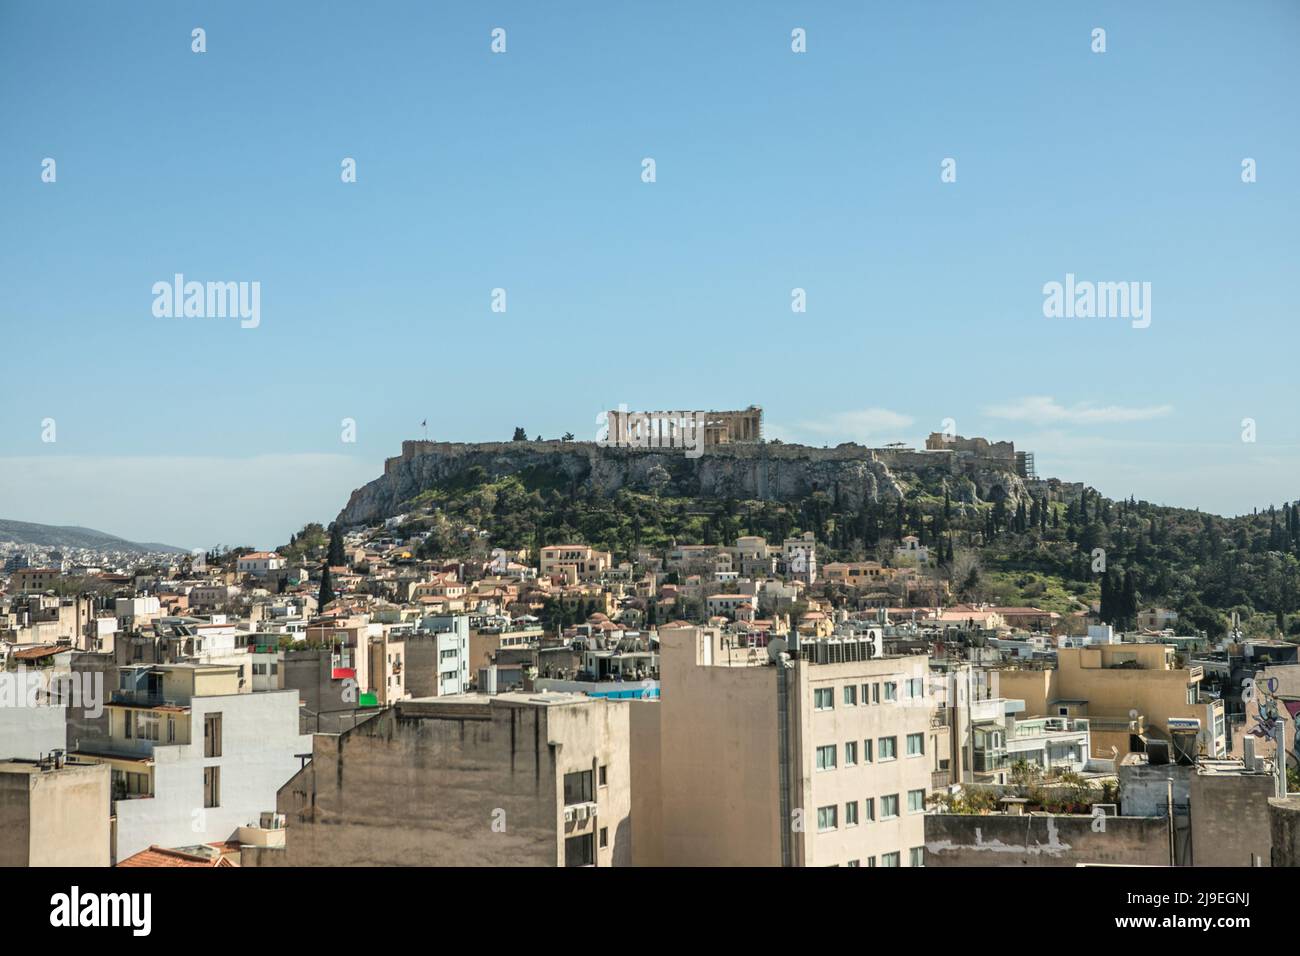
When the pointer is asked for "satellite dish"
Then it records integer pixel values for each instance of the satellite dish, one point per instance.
(775, 648)
(1133, 714)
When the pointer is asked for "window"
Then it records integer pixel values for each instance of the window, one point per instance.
(915, 745)
(891, 859)
(212, 786)
(866, 751)
(850, 753)
(580, 850)
(866, 694)
(891, 690)
(887, 748)
(827, 818)
(146, 726)
(604, 837)
(171, 730)
(871, 861)
(916, 801)
(853, 863)
(824, 698)
(212, 736)
(869, 809)
(889, 806)
(917, 856)
(604, 779)
(851, 814)
(916, 687)
(577, 787)
(850, 695)
(875, 693)
(826, 757)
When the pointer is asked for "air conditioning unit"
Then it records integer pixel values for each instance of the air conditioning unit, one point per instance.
(570, 814)
(582, 812)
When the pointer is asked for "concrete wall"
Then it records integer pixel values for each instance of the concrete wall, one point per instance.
(1284, 830)
(55, 818)
(720, 753)
(647, 797)
(1230, 819)
(1144, 789)
(28, 732)
(479, 785)
(1043, 840)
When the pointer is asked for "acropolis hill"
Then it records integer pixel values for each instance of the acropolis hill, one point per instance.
(973, 470)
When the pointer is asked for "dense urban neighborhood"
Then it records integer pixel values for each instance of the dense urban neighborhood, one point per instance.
(562, 653)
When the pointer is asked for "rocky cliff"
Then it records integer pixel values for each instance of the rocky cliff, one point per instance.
(773, 471)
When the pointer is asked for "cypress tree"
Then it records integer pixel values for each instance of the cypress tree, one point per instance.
(326, 588)
(336, 557)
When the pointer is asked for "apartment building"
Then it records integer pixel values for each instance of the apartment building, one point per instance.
(437, 657)
(811, 754)
(1127, 692)
(260, 563)
(512, 780)
(574, 562)
(33, 579)
(192, 757)
(800, 556)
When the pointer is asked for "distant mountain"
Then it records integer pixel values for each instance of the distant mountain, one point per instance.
(52, 536)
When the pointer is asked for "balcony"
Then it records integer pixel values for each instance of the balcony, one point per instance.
(1047, 726)
(1124, 725)
(141, 698)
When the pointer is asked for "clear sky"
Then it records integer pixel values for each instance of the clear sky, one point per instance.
(774, 170)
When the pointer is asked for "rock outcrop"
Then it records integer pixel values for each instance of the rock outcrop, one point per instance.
(772, 471)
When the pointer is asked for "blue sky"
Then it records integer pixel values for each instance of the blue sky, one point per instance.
(522, 171)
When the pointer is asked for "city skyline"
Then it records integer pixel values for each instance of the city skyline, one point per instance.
(777, 173)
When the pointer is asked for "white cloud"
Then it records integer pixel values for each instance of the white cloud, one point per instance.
(1045, 410)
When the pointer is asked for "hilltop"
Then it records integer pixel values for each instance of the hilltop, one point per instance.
(56, 536)
(1001, 535)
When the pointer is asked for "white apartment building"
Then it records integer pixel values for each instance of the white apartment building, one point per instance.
(192, 758)
(260, 563)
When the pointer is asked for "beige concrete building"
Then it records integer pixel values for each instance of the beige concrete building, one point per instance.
(469, 780)
(574, 562)
(817, 758)
(54, 813)
(1128, 692)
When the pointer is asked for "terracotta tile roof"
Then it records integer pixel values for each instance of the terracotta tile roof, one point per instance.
(160, 856)
(36, 653)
